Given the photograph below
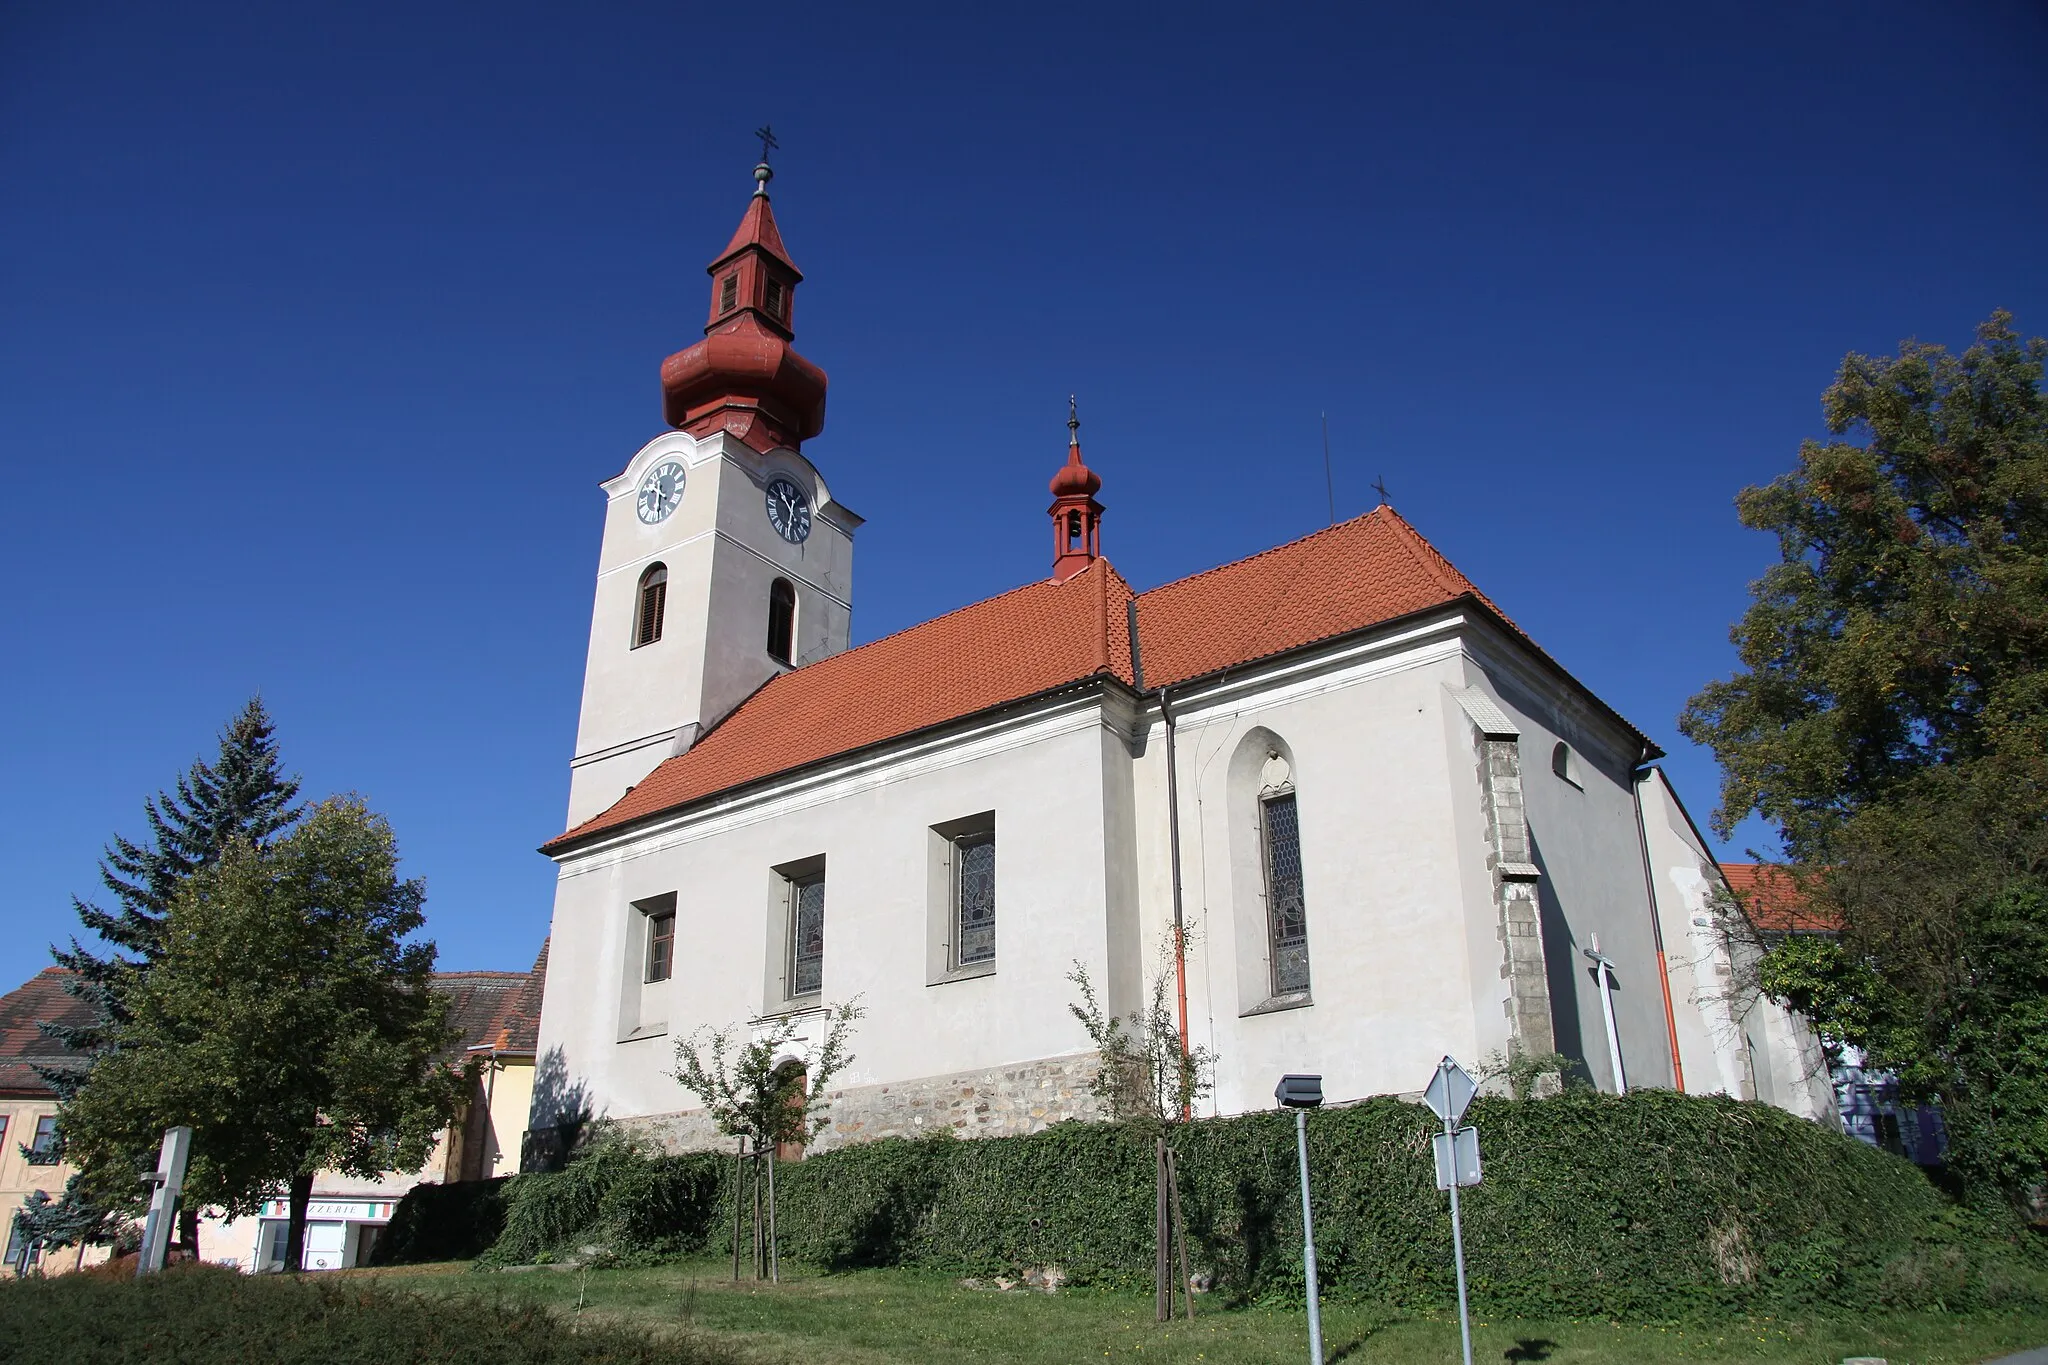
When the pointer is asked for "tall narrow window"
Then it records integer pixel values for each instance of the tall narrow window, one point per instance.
(974, 899)
(652, 603)
(729, 292)
(807, 935)
(661, 946)
(775, 296)
(781, 620)
(1286, 917)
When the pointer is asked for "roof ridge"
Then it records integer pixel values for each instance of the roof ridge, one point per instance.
(1261, 554)
(1433, 563)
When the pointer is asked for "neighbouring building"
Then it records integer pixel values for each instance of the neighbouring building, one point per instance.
(497, 1018)
(1867, 1098)
(1394, 826)
(29, 1156)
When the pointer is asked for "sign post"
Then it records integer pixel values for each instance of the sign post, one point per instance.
(1301, 1094)
(1457, 1163)
(165, 1183)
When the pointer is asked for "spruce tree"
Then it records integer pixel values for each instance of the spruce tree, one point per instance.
(242, 795)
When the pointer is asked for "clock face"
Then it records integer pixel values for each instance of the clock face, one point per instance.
(660, 491)
(789, 511)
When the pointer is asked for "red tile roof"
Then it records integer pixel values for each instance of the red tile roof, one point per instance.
(1047, 635)
(22, 1043)
(1773, 902)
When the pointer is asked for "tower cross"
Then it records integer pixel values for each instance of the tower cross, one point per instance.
(768, 143)
(1380, 487)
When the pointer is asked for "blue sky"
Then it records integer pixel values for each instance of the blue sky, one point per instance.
(323, 324)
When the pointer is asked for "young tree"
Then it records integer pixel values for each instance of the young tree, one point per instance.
(1144, 1073)
(286, 1019)
(749, 1094)
(242, 795)
(752, 1095)
(1890, 719)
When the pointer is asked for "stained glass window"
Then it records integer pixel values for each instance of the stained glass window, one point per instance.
(1287, 918)
(807, 936)
(974, 899)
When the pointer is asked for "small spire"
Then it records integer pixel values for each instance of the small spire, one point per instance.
(1073, 423)
(763, 173)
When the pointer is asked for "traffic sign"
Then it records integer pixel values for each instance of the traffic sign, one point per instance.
(1457, 1157)
(1450, 1090)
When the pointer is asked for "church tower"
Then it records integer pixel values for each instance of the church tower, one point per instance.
(725, 559)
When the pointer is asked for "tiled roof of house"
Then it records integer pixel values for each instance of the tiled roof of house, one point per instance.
(1046, 635)
(1773, 902)
(499, 1009)
(496, 1009)
(22, 1043)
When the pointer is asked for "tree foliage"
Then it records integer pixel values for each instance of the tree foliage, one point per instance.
(242, 795)
(1143, 1073)
(286, 1019)
(750, 1091)
(1890, 719)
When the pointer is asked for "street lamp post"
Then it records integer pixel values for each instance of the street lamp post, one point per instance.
(1301, 1094)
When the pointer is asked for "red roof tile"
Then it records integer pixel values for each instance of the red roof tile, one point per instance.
(1354, 574)
(1045, 635)
(1773, 902)
(22, 1043)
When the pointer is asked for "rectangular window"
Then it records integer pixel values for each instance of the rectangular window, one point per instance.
(807, 935)
(42, 1150)
(774, 293)
(729, 293)
(1286, 917)
(3, 1137)
(974, 899)
(661, 946)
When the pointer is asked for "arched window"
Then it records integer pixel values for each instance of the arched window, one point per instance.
(781, 620)
(652, 602)
(1565, 764)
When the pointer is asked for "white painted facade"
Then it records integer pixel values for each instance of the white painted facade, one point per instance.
(1375, 732)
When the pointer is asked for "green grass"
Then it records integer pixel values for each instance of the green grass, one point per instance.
(899, 1317)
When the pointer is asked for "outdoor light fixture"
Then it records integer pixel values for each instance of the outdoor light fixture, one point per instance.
(1301, 1094)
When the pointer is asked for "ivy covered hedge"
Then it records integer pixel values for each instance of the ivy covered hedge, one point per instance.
(453, 1222)
(1652, 1205)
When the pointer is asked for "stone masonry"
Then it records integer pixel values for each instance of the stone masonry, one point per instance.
(1515, 876)
(1000, 1102)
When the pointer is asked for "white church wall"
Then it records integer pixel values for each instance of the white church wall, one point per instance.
(1731, 1041)
(1042, 775)
(1586, 846)
(1361, 731)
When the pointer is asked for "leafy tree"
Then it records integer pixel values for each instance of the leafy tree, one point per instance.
(242, 795)
(746, 1090)
(751, 1094)
(1890, 719)
(1144, 1073)
(286, 1019)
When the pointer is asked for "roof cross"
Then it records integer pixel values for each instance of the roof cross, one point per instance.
(1380, 487)
(768, 143)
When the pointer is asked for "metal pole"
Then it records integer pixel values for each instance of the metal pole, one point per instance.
(1180, 936)
(1458, 1251)
(1308, 1248)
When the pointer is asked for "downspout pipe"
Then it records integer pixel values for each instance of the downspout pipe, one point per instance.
(1636, 780)
(1180, 940)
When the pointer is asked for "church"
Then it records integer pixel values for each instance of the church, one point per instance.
(1391, 825)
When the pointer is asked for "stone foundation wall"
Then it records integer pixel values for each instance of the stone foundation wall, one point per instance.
(999, 1102)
